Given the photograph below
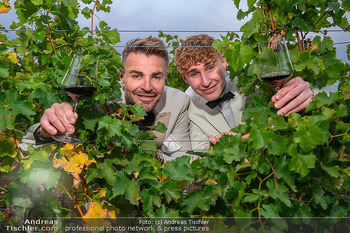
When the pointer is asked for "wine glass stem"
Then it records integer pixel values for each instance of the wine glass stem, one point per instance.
(75, 106)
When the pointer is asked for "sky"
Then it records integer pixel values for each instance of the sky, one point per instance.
(192, 16)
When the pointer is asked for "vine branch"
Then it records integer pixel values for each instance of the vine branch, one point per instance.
(76, 202)
(273, 170)
(271, 18)
(92, 18)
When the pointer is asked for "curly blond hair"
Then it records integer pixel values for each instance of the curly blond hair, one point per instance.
(195, 49)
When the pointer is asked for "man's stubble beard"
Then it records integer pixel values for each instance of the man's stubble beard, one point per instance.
(130, 101)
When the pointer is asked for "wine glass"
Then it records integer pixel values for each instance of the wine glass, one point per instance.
(274, 62)
(79, 82)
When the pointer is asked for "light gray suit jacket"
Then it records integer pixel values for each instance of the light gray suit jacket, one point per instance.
(205, 121)
(171, 111)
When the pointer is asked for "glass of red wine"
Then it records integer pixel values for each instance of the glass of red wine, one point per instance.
(79, 82)
(274, 62)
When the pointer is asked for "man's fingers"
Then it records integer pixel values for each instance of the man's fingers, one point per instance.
(295, 106)
(293, 97)
(60, 117)
(213, 140)
(70, 115)
(45, 124)
(290, 91)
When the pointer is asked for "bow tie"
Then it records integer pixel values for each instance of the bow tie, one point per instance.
(212, 104)
(145, 123)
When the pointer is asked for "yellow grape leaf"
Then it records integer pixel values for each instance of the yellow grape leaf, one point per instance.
(8, 146)
(12, 56)
(72, 159)
(97, 210)
(96, 213)
(4, 6)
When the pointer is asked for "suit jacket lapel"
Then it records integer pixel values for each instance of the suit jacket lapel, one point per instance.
(214, 116)
(237, 104)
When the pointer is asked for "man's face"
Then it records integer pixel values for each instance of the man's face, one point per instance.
(143, 79)
(207, 78)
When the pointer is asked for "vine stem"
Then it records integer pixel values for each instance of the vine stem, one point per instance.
(271, 18)
(92, 18)
(334, 136)
(273, 170)
(50, 36)
(84, 185)
(300, 42)
(76, 202)
(266, 28)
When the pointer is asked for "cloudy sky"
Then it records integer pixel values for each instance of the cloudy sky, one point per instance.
(193, 16)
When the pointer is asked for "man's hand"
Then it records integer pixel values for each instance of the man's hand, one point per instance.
(294, 96)
(58, 118)
(214, 139)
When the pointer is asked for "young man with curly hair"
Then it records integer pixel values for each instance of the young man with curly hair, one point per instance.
(216, 105)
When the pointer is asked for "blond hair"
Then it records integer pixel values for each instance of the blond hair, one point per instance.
(195, 49)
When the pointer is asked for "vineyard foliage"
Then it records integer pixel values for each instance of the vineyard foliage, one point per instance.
(295, 166)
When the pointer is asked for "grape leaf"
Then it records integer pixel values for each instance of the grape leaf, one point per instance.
(179, 169)
(308, 137)
(41, 175)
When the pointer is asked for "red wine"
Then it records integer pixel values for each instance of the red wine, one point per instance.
(274, 77)
(77, 92)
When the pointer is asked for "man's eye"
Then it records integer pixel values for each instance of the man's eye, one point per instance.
(210, 67)
(136, 76)
(193, 74)
(157, 77)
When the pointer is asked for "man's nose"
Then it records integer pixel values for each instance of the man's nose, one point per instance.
(147, 85)
(205, 80)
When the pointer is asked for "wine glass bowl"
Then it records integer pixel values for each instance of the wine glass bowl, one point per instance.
(274, 61)
(79, 82)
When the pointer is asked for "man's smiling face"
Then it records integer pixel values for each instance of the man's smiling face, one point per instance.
(207, 78)
(143, 79)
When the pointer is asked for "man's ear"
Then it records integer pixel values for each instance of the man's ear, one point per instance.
(224, 62)
(121, 74)
(121, 77)
(184, 77)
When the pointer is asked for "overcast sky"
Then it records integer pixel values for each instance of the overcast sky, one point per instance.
(193, 16)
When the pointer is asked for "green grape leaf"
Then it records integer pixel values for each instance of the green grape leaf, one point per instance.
(346, 5)
(128, 187)
(171, 190)
(315, 64)
(200, 199)
(112, 126)
(250, 198)
(258, 135)
(332, 171)
(269, 211)
(149, 199)
(107, 171)
(14, 105)
(335, 6)
(319, 196)
(179, 169)
(308, 137)
(281, 194)
(45, 97)
(4, 73)
(302, 163)
(40, 175)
